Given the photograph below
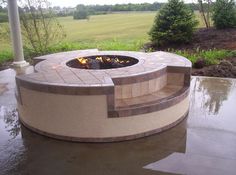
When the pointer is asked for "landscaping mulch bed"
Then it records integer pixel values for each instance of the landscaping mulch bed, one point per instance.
(226, 68)
(206, 39)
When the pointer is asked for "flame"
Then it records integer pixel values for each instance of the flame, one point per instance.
(85, 61)
(82, 60)
(99, 59)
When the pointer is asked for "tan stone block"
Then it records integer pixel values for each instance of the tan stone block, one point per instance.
(136, 89)
(144, 87)
(175, 78)
(152, 85)
(118, 92)
(127, 91)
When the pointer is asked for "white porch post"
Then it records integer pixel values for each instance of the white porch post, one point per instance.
(14, 21)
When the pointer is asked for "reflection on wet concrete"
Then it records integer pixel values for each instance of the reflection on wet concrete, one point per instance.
(57, 157)
(211, 94)
(194, 164)
(41, 155)
(211, 131)
(10, 117)
(202, 144)
(220, 115)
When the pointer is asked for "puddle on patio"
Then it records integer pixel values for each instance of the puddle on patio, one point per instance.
(202, 144)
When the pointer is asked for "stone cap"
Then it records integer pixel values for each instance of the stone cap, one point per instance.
(53, 73)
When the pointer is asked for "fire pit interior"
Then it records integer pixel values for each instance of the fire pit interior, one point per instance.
(97, 96)
(102, 62)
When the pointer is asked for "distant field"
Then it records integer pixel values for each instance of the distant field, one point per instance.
(101, 30)
(123, 26)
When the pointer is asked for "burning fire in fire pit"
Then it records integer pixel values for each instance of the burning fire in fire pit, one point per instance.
(102, 62)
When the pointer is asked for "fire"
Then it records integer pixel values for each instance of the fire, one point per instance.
(99, 59)
(101, 62)
(82, 60)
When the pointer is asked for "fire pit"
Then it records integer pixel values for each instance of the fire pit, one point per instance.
(101, 62)
(104, 96)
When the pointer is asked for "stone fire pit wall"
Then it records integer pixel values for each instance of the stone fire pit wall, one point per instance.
(104, 105)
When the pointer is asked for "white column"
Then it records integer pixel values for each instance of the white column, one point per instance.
(14, 21)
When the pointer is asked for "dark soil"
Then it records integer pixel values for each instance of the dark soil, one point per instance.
(205, 39)
(226, 68)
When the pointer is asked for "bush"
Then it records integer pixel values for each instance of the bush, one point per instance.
(81, 14)
(224, 14)
(175, 23)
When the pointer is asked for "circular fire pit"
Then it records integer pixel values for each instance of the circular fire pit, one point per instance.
(104, 96)
(102, 62)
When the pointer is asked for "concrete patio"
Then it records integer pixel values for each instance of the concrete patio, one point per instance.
(202, 144)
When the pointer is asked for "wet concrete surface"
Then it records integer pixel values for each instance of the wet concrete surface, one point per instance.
(204, 143)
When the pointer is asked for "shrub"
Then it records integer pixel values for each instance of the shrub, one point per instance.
(81, 14)
(175, 23)
(224, 14)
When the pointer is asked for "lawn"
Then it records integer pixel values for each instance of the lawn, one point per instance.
(122, 26)
(126, 31)
(119, 26)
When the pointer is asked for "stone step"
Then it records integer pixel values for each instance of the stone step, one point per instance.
(168, 96)
(165, 92)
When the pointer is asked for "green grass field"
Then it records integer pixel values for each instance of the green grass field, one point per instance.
(100, 30)
(123, 26)
(127, 31)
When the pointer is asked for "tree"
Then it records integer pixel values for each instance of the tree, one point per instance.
(205, 11)
(175, 23)
(81, 12)
(40, 28)
(3, 17)
(224, 14)
(3, 12)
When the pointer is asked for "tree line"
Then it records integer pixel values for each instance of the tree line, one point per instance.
(128, 7)
(3, 14)
(84, 11)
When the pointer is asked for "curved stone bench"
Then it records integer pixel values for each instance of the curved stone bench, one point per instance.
(104, 105)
